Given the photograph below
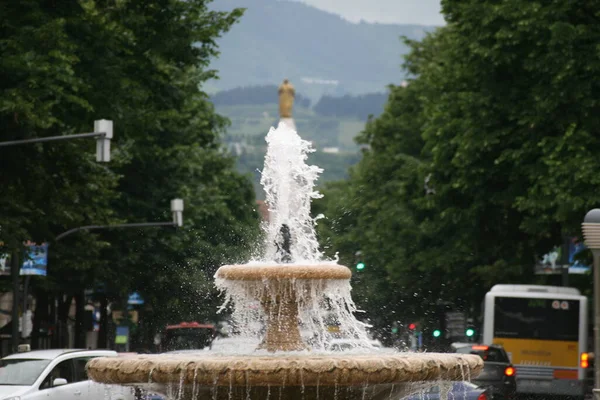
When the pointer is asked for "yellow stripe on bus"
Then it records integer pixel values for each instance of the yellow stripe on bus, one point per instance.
(542, 353)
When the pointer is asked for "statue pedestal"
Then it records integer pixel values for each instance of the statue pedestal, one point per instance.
(288, 122)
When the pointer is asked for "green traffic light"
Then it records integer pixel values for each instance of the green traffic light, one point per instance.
(360, 266)
(470, 332)
(437, 333)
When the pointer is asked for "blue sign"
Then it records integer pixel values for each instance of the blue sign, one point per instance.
(35, 261)
(122, 335)
(135, 299)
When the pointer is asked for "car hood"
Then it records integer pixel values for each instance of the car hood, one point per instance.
(10, 390)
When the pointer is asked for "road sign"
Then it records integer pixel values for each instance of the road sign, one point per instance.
(456, 322)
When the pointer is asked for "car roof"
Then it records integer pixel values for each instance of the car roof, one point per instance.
(54, 353)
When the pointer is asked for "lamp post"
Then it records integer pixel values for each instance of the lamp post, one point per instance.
(103, 133)
(177, 222)
(177, 211)
(591, 233)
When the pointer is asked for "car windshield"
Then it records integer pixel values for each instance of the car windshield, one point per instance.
(489, 354)
(21, 371)
(188, 338)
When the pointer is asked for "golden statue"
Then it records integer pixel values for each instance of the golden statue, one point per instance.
(286, 99)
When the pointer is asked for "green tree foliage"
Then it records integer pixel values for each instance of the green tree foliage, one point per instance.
(500, 119)
(141, 64)
(47, 188)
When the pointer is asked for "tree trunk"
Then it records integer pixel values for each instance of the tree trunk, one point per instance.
(40, 317)
(80, 332)
(103, 331)
(64, 305)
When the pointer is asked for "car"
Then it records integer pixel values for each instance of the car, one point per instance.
(456, 391)
(55, 375)
(498, 375)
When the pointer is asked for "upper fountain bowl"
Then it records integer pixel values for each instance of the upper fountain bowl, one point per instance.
(287, 271)
(285, 292)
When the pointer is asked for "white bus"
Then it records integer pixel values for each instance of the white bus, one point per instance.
(544, 331)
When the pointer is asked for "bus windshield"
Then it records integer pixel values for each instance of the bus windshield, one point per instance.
(542, 319)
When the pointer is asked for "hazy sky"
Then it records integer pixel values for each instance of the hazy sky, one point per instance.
(423, 12)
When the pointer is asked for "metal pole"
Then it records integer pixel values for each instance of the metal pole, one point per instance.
(52, 139)
(26, 279)
(564, 260)
(14, 272)
(96, 227)
(596, 253)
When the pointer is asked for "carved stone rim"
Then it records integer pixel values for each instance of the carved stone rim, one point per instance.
(289, 370)
(283, 271)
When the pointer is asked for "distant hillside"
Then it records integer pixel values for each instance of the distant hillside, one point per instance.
(360, 106)
(354, 106)
(250, 124)
(254, 95)
(318, 51)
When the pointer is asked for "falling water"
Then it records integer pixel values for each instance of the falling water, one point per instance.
(289, 185)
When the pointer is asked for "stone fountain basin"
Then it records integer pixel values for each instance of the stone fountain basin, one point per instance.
(260, 272)
(367, 376)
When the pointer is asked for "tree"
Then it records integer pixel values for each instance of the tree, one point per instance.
(502, 132)
(141, 65)
(172, 135)
(372, 212)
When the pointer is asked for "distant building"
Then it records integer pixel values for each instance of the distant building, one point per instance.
(263, 210)
(333, 150)
(236, 148)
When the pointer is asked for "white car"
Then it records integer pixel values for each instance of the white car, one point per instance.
(55, 375)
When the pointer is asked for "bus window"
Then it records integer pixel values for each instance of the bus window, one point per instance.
(542, 319)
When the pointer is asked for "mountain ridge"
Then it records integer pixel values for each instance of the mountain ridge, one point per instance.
(320, 52)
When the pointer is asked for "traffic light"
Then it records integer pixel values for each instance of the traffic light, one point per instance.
(412, 326)
(358, 258)
(470, 332)
(437, 333)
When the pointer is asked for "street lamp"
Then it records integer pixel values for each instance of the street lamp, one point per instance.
(177, 222)
(177, 210)
(591, 234)
(105, 128)
(103, 133)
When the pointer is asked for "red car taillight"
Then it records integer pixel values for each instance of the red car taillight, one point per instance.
(482, 396)
(509, 371)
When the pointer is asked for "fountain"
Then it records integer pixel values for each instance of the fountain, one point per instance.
(296, 292)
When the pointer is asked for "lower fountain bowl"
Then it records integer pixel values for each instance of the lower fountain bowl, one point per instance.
(254, 375)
